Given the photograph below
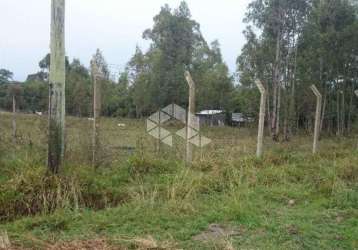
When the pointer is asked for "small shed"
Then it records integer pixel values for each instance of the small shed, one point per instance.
(239, 119)
(212, 118)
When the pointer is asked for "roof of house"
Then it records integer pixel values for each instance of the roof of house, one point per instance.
(210, 112)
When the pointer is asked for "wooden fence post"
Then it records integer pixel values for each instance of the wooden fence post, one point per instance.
(96, 111)
(317, 119)
(260, 136)
(191, 113)
(56, 140)
(4, 240)
(13, 118)
(356, 93)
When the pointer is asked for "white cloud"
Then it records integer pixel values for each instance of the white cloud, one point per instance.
(114, 26)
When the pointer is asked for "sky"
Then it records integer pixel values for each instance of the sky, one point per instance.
(114, 26)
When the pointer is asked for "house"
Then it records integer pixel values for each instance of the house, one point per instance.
(239, 119)
(212, 117)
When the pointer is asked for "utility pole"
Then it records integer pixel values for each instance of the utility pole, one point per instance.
(190, 117)
(318, 118)
(56, 140)
(260, 136)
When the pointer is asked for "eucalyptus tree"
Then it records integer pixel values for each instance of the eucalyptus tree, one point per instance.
(78, 89)
(156, 76)
(212, 77)
(140, 72)
(271, 56)
(173, 37)
(5, 76)
(329, 57)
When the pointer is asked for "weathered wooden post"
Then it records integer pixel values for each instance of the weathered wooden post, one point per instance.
(356, 93)
(96, 111)
(14, 91)
(13, 118)
(159, 141)
(56, 140)
(318, 117)
(260, 136)
(4, 240)
(343, 110)
(190, 117)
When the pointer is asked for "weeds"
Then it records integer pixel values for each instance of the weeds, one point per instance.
(287, 200)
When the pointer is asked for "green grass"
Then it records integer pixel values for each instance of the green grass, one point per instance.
(287, 200)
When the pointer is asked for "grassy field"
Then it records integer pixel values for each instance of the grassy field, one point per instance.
(141, 199)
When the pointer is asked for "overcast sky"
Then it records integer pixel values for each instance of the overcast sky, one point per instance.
(114, 26)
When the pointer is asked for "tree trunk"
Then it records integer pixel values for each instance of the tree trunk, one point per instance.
(343, 113)
(323, 111)
(277, 128)
(286, 117)
(338, 115)
(325, 92)
(56, 141)
(136, 111)
(275, 88)
(350, 110)
(292, 111)
(268, 107)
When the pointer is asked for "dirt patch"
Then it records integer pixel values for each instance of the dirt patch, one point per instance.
(148, 243)
(292, 229)
(97, 244)
(84, 245)
(216, 232)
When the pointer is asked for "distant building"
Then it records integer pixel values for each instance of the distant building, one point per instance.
(239, 119)
(212, 117)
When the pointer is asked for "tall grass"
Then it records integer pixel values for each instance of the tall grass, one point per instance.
(226, 182)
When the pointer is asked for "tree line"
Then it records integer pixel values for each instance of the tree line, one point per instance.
(290, 45)
(151, 79)
(293, 44)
